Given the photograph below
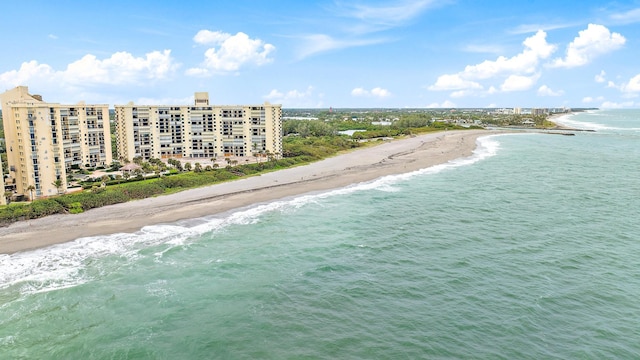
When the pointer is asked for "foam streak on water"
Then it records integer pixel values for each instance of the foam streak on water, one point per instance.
(61, 266)
(528, 249)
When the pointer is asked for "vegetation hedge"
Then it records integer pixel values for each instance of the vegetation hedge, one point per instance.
(297, 150)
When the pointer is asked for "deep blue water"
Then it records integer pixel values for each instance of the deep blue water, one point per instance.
(527, 250)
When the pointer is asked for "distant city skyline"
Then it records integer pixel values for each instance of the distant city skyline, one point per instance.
(321, 54)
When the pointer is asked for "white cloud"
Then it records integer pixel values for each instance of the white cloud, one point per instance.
(593, 41)
(233, 52)
(515, 70)
(629, 17)
(615, 105)
(531, 28)
(461, 93)
(445, 104)
(633, 85)
(453, 82)
(121, 68)
(536, 48)
(320, 43)
(395, 14)
(359, 92)
(544, 90)
(375, 92)
(589, 99)
(600, 78)
(296, 98)
(380, 92)
(206, 37)
(28, 71)
(518, 83)
(52, 37)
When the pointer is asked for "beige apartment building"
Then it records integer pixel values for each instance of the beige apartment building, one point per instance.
(200, 130)
(45, 140)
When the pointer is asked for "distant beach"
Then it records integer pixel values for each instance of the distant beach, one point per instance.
(391, 157)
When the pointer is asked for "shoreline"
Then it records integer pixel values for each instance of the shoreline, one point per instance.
(361, 165)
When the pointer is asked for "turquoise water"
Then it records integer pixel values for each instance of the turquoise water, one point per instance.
(527, 250)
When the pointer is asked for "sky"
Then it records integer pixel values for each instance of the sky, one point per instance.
(326, 53)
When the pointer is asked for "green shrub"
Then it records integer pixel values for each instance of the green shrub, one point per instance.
(75, 208)
(44, 207)
(12, 213)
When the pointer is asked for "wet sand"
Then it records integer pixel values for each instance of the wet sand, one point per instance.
(391, 157)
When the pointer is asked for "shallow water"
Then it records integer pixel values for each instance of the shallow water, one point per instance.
(527, 249)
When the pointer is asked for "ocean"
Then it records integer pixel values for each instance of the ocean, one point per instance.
(528, 249)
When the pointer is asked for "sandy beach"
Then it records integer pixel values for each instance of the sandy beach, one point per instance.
(391, 157)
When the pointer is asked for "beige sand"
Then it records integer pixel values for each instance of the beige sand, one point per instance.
(392, 157)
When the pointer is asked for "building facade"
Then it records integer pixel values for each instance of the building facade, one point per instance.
(200, 130)
(45, 140)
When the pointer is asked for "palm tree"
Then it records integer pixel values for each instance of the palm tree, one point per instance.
(58, 184)
(197, 167)
(30, 189)
(105, 179)
(7, 196)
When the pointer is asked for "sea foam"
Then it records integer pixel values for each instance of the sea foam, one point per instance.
(63, 265)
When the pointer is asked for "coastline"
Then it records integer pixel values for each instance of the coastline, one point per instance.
(362, 165)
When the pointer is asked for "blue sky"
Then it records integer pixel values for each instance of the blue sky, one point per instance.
(317, 54)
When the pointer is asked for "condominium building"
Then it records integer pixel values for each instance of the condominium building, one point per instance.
(45, 140)
(200, 130)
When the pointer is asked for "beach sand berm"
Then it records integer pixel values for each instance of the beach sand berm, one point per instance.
(391, 157)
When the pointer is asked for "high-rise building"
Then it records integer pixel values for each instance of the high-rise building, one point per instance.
(200, 130)
(45, 140)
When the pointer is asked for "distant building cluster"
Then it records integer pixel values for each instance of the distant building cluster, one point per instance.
(531, 111)
(45, 141)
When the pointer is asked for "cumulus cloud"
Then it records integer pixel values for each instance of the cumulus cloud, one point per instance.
(445, 104)
(28, 71)
(121, 68)
(518, 83)
(536, 48)
(296, 98)
(600, 78)
(595, 40)
(544, 90)
(208, 37)
(375, 92)
(518, 71)
(230, 53)
(633, 85)
(454, 82)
